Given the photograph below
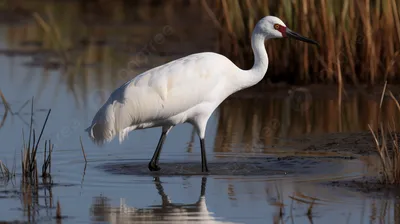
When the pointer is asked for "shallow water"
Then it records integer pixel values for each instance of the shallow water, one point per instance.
(254, 160)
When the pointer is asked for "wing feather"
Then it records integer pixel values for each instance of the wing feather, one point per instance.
(170, 89)
(161, 93)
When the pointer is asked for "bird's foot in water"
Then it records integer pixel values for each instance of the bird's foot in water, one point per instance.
(205, 170)
(154, 167)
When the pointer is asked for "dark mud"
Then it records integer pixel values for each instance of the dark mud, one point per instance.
(238, 166)
(314, 155)
(372, 186)
(355, 144)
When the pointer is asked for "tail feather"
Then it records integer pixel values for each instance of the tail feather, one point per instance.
(119, 114)
(105, 126)
(100, 133)
(102, 128)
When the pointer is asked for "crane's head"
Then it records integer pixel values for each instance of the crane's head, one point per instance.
(273, 27)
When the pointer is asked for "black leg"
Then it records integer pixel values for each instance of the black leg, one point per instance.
(203, 186)
(164, 197)
(153, 165)
(202, 191)
(204, 167)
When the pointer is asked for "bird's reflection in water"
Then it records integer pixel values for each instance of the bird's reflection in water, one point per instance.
(167, 212)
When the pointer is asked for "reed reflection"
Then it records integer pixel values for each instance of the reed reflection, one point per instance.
(167, 212)
(98, 46)
(276, 118)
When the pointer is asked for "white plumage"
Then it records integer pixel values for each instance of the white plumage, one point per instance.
(164, 96)
(186, 90)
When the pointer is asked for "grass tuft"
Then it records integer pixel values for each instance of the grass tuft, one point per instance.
(5, 172)
(387, 145)
(28, 155)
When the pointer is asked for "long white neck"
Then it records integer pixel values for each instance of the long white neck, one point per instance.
(251, 77)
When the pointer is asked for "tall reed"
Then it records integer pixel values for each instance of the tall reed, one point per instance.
(360, 40)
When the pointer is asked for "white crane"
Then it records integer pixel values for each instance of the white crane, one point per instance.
(186, 90)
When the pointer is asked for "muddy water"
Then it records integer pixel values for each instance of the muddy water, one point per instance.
(271, 153)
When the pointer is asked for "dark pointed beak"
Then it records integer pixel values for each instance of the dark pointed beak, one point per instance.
(297, 36)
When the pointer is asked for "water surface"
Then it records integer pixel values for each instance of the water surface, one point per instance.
(256, 164)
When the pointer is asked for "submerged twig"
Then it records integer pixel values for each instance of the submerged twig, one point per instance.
(83, 150)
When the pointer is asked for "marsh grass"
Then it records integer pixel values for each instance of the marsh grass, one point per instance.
(46, 167)
(29, 152)
(386, 140)
(7, 108)
(5, 172)
(359, 40)
(30, 186)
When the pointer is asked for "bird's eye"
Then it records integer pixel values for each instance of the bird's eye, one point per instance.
(276, 26)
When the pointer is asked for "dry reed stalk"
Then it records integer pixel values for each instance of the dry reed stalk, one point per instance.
(394, 99)
(383, 95)
(384, 161)
(340, 90)
(396, 154)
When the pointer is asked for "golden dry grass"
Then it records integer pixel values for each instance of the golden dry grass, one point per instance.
(359, 40)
